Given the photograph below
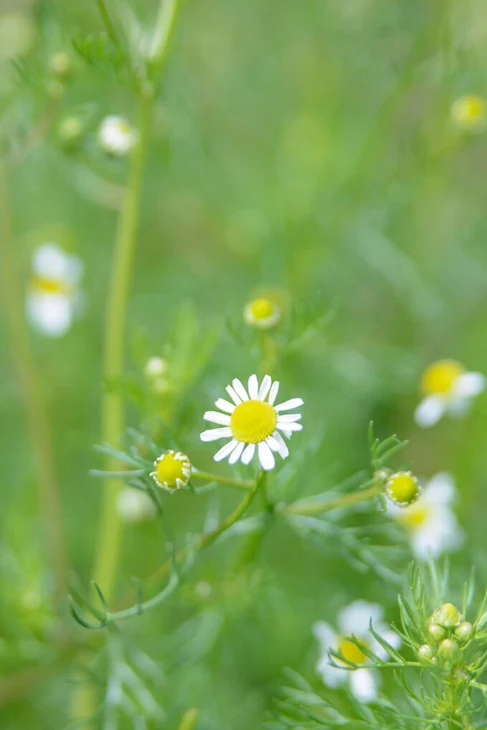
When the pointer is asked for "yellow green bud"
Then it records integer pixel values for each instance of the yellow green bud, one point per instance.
(426, 652)
(436, 632)
(447, 616)
(448, 650)
(60, 65)
(464, 631)
(70, 131)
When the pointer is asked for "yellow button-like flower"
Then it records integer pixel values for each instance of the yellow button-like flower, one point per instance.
(172, 470)
(403, 488)
(469, 112)
(447, 388)
(263, 313)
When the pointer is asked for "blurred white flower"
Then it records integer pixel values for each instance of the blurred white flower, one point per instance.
(447, 388)
(135, 506)
(431, 521)
(262, 313)
(117, 136)
(53, 296)
(155, 367)
(252, 422)
(354, 620)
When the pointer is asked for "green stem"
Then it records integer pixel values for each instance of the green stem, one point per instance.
(34, 403)
(208, 477)
(301, 508)
(189, 720)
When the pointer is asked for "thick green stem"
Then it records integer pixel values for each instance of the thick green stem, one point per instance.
(34, 403)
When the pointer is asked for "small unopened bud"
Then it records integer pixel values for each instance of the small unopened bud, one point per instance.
(426, 652)
(382, 475)
(464, 631)
(447, 616)
(403, 488)
(61, 65)
(448, 650)
(436, 632)
(70, 131)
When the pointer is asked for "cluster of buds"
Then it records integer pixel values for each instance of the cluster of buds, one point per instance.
(447, 633)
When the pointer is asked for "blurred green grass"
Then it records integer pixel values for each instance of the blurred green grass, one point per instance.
(300, 146)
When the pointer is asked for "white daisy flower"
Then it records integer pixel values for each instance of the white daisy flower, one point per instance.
(135, 506)
(117, 136)
(430, 521)
(262, 313)
(252, 422)
(53, 297)
(447, 388)
(354, 620)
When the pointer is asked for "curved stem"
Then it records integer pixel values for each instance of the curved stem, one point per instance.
(35, 406)
(208, 477)
(301, 508)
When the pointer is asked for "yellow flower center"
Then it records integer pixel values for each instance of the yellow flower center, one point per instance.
(403, 488)
(253, 421)
(440, 378)
(351, 652)
(262, 308)
(415, 517)
(42, 285)
(170, 469)
(469, 111)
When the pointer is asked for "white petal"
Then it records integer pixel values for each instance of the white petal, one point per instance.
(440, 490)
(364, 685)
(51, 314)
(253, 387)
(224, 405)
(355, 618)
(470, 384)
(50, 261)
(239, 389)
(273, 443)
(459, 406)
(273, 392)
(429, 411)
(332, 676)
(216, 433)
(248, 454)
(265, 387)
(237, 453)
(214, 417)
(289, 405)
(233, 395)
(439, 534)
(289, 418)
(288, 427)
(283, 449)
(225, 450)
(266, 457)
(326, 635)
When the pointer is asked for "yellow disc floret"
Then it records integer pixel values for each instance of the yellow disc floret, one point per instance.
(403, 488)
(441, 377)
(415, 517)
(351, 652)
(172, 470)
(262, 313)
(253, 421)
(43, 285)
(469, 112)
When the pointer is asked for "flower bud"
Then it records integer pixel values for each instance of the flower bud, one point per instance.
(447, 616)
(60, 65)
(448, 650)
(403, 488)
(436, 632)
(70, 131)
(464, 631)
(426, 652)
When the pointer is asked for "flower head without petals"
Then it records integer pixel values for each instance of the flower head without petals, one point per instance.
(262, 313)
(172, 470)
(252, 422)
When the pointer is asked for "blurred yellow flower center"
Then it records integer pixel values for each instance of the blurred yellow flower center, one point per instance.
(351, 652)
(469, 111)
(262, 308)
(42, 285)
(415, 517)
(170, 469)
(253, 421)
(441, 377)
(403, 488)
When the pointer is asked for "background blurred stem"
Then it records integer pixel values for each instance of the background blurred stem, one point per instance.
(34, 403)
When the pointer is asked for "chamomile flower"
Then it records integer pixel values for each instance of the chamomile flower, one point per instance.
(468, 113)
(354, 620)
(172, 470)
(117, 136)
(53, 297)
(252, 422)
(431, 522)
(135, 506)
(262, 313)
(447, 388)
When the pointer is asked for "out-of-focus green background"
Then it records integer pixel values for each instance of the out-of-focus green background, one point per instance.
(305, 147)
